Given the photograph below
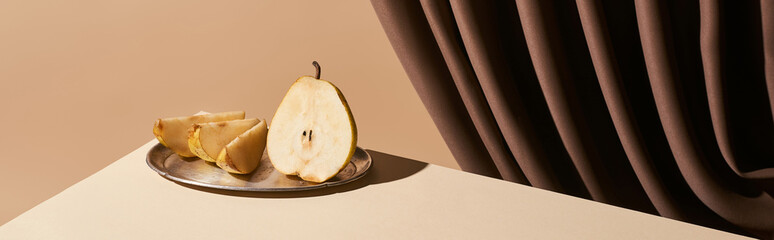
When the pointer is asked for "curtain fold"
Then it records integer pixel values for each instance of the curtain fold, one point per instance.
(421, 59)
(444, 29)
(606, 68)
(767, 22)
(664, 107)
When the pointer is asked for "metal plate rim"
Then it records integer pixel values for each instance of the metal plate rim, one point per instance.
(166, 175)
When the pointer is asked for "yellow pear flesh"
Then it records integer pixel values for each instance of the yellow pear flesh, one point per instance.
(313, 133)
(173, 132)
(206, 140)
(244, 153)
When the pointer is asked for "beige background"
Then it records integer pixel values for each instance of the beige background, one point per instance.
(82, 81)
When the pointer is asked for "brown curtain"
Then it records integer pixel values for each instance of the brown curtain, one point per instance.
(659, 106)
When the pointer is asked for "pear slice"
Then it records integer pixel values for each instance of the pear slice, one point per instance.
(173, 132)
(313, 133)
(244, 153)
(205, 140)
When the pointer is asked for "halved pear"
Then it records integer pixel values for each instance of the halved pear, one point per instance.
(313, 133)
(205, 140)
(173, 132)
(243, 154)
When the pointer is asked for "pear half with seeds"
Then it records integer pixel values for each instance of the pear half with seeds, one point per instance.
(313, 133)
(244, 153)
(173, 132)
(206, 140)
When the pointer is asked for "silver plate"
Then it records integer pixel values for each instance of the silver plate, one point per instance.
(195, 171)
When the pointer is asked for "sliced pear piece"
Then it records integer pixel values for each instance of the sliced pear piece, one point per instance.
(244, 153)
(205, 140)
(173, 132)
(313, 133)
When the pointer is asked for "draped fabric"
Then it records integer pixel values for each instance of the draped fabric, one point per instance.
(664, 107)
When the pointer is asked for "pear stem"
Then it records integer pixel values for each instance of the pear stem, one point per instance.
(317, 69)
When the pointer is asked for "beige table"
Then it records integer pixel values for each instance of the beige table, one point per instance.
(400, 198)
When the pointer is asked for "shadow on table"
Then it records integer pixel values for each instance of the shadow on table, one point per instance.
(386, 168)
